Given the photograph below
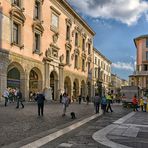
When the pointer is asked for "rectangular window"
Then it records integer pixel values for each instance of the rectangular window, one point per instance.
(15, 33)
(67, 57)
(54, 20)
(76, 61)
(89, 49)
(68, 33)
(147, 55)
(83, 65)
(16, 2)
(95, 72)
(37, 9)
(98, 62)
(83, 44)
(88, 66)
(95, 60)
(37, 42)
(76, 39)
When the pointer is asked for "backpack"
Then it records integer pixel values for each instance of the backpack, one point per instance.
(103, 101)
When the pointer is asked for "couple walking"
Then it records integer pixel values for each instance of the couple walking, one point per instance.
(104, 101)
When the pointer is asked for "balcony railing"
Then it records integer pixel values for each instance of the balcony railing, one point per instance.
(140, 73)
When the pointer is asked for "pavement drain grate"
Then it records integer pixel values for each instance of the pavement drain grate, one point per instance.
(65, 145)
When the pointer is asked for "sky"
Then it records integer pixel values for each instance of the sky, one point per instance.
(116, 23)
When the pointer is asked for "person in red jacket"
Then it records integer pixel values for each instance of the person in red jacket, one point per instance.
(135, 103)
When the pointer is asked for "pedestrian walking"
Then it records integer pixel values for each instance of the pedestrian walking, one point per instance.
(97, 101)
(145, 103)
(40, 98)
(109, 101)
(103, 104)
(80, 98)
(6, 96)
(135, 103)
(61, 98)
(87, 99)
(65, 103)
(19, 99)
(141, 103)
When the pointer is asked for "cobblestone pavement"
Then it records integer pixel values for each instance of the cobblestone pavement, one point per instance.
(82, 136)
(19, 124)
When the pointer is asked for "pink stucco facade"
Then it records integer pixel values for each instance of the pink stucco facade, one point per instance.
(49, 62)
(140, 76)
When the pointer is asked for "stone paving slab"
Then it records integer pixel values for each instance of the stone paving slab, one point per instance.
(136, 135)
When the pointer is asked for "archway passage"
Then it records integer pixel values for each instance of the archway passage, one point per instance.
(54, 84)
(35, 82)
(75, 89)
(67, 86)
(13, 78)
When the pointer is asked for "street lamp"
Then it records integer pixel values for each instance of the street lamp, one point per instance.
(99, 82)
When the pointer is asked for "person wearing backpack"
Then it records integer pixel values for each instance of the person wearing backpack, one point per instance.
(103, 104)
(97, 101)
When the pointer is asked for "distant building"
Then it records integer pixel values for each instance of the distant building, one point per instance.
(117, 83)
(140, 76)
(102, 71)
(124, 82)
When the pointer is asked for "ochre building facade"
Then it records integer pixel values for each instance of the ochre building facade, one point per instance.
(45, 45)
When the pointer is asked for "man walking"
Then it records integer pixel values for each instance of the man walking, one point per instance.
(6, 96)
(40, 101)
(97, 101)
(145, 102)
(19, 98)
(109, 101)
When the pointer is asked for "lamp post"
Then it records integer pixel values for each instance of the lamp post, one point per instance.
(99, 82)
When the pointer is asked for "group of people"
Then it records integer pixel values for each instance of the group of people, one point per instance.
(142, 103)
(13, 95)
(104, 101)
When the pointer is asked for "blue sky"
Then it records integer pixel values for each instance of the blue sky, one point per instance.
(116, 23)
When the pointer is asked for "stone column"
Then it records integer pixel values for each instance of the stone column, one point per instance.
(71, 89)
(46, 80)
(26, 85)
(3, 71)
(61, 78)
(3, 83)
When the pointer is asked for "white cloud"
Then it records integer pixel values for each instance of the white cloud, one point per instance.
(125, 11)
(123, 66)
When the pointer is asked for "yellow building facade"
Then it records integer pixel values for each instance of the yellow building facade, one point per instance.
(45, 45)
(101, 72)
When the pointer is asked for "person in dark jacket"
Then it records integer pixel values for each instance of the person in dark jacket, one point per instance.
(40, 101)
(19, 98)
(97, 101)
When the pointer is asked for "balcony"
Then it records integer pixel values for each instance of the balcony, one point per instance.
(140, 73)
